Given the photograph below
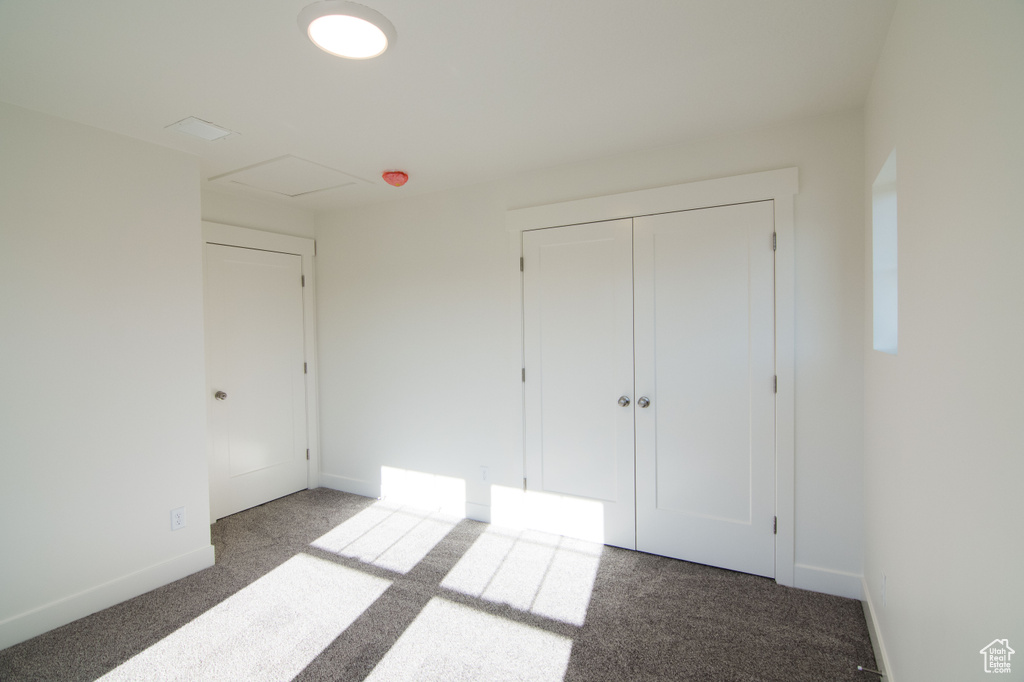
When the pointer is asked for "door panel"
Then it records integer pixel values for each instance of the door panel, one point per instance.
(705, 457)
(254, 327)
(577, 288)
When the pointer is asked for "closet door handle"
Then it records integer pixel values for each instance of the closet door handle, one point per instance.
(624, 401)
(643, 401)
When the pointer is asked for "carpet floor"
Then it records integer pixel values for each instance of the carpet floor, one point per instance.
(323, 585)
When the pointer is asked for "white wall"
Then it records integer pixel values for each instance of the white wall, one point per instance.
(102, 412)
(229, 209)
(944, 438)
(415, 336)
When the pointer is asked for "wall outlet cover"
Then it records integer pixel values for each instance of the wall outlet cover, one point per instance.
(178, 518)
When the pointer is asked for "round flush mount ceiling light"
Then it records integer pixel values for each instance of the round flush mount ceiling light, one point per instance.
(347, 29)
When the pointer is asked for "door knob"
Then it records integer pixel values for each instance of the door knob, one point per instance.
(624, 401)
(643, 401)
(220, 395)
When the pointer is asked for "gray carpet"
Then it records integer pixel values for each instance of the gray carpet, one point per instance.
(323, 585)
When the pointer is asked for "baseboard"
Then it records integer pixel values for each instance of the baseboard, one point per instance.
(474, 511)
(839, 583)
(350, 485)
(63, 611)
(478, 512)
(877, 643)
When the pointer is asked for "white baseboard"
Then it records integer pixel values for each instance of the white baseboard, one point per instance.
(478, 512)
(350, 485)
(474, 511)
(63, 611)
(877, 643)
(839, 583)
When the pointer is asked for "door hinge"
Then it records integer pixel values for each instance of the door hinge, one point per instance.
(524, 375)
(314, 248)
(524, 484)
(775, 526)
(305, 368)
(521, 264)
(775, 241)
(307, 453)
(303, 280)
(776, 383)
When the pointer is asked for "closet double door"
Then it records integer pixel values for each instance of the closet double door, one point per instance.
(650, 379)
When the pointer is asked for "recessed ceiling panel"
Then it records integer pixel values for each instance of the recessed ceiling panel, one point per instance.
(289, 176)
(204, 130)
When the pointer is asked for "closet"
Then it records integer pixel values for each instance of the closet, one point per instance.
(650, 378)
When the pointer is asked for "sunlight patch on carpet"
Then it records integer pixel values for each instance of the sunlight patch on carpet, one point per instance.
(450, 642)
(270, 630)
(416, 512)
(388, 535)
(545, 574)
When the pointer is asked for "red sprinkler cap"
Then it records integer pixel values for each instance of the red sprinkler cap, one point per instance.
(395, 178)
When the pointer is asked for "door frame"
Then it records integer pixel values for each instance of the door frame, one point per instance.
(780, 186)
(246, 238)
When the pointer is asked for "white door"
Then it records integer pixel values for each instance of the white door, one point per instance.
(255, 374)
(694, 354)
(705, 361)
(578, 303)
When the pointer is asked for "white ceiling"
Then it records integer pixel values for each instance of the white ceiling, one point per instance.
(473, 89)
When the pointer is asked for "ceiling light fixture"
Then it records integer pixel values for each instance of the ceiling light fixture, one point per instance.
(346, 29)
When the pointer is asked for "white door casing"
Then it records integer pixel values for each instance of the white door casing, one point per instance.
(780, 186)
(705, 361)
(579, 348)
(260, 353)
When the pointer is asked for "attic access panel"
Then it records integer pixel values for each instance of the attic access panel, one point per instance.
(288, 176)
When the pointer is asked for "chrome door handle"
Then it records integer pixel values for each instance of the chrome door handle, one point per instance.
(220, 395)
(624, 401)
(643, 401)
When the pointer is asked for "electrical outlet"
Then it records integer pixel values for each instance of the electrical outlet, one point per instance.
(883, 589)
(178, 518)
(483, 474)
